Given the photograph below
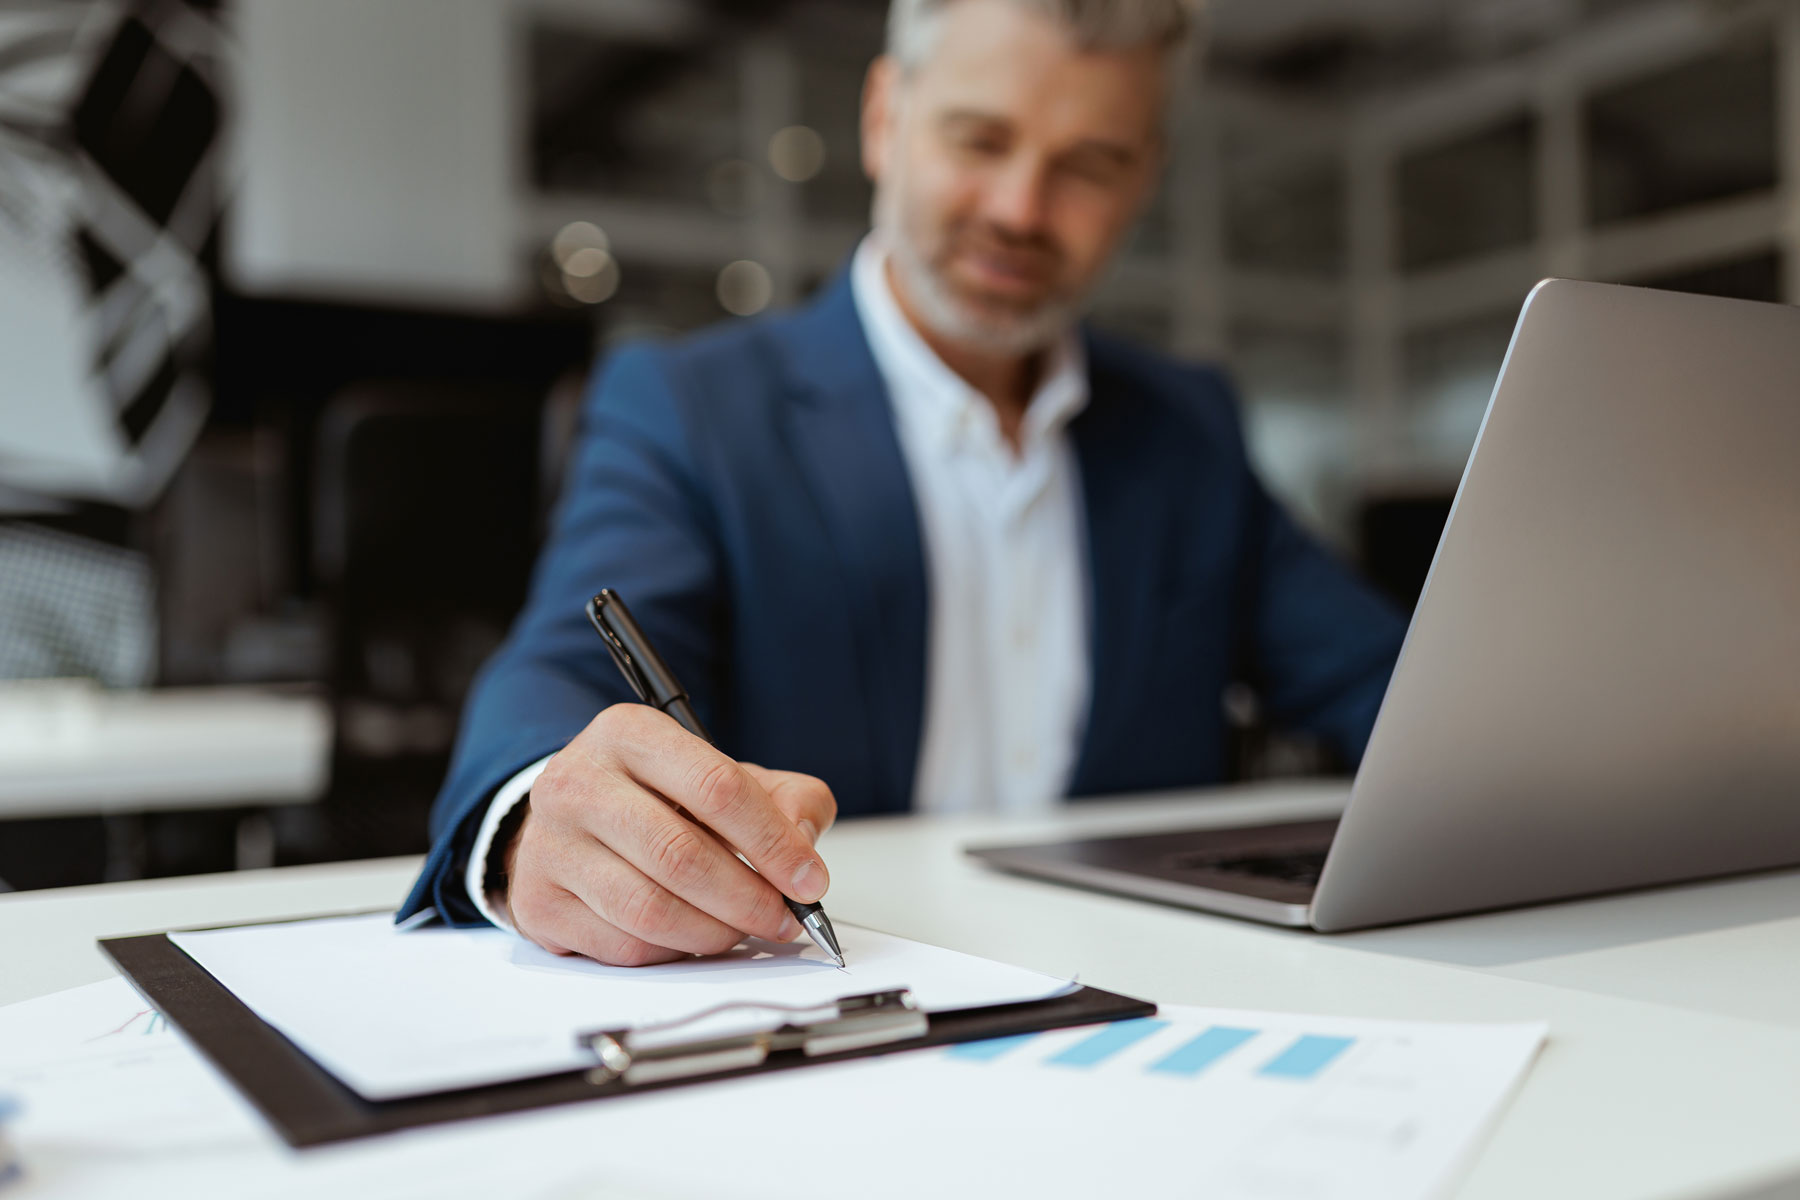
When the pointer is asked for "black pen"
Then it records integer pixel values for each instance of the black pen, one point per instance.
(656, 686)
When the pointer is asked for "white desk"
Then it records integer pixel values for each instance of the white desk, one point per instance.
(71, 748)
(1673, 1068)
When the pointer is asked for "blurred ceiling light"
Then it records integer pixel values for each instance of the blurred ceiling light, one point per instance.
(797, 153)
(745, 288)
(731, 187)
(576, 237)
(591, 275)
(587, 261)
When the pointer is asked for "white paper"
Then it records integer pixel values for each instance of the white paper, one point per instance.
(114, 1103)
(395, 1014)
(1395, 1111)
(105, 1088)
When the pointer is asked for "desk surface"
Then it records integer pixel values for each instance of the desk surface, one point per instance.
(1674, 1015)
(71, 748)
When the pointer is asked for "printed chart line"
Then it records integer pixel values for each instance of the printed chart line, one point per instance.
(155, 1023)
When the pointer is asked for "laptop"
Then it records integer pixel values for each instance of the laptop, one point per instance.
(1600, 688)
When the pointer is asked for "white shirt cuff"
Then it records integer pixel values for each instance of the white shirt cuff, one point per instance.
(505, 800)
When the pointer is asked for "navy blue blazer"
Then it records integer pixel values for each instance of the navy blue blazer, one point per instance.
(744, 490)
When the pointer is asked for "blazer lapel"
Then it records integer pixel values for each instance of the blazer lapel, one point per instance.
(842, 432)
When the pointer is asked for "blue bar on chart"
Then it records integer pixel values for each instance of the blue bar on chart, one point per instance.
(1094, 1050)
(1306, 1057)
(988, 1050)
(1195, 1056)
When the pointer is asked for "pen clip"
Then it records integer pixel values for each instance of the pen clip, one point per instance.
(596, 611)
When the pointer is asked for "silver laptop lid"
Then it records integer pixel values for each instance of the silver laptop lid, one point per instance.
(1601, 685)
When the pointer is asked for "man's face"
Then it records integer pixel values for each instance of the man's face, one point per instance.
(1007, 165)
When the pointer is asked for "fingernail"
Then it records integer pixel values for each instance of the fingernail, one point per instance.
(790, 929)
(809, 829)
(809, 881)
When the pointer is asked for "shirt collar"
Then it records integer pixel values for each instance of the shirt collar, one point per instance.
(931, 398)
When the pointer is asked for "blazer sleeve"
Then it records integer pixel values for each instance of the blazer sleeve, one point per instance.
(632, 517)
(1311, 637)
(1323, 642)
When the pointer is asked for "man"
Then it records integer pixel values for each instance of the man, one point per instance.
(922, 540)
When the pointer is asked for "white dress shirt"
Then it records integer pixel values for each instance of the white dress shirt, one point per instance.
(1006, 676)
(1006, 689)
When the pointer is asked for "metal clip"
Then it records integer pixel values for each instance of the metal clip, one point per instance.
(596, 614)
(645, 1055)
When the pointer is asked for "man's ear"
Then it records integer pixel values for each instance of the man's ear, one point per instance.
(879, 98)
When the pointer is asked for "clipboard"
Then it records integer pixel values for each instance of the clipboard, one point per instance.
(309, 1107)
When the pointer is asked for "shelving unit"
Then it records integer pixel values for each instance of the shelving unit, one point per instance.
(1357, 261)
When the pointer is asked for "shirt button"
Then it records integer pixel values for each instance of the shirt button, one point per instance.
(1023, 636)
(1022, 758)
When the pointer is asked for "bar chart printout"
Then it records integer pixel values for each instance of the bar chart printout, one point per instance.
(1267, 1104)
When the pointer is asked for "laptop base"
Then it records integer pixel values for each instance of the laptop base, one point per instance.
(1261, 873)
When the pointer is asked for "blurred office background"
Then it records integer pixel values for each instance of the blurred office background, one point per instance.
(297, 298)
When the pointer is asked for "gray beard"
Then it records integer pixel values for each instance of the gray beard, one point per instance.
(938, 306)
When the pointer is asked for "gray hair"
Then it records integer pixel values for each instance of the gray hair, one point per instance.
(1169, 25)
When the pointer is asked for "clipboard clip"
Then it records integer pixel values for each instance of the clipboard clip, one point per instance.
(648, 1055)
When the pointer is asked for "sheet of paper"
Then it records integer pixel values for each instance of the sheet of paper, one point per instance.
(106, 1089)
(1223, 1104)
(395, 1014)
(115, 1104)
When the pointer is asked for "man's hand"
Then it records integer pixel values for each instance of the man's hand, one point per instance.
(626, 852)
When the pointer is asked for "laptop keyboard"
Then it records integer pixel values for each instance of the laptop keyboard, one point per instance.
(1303, 867)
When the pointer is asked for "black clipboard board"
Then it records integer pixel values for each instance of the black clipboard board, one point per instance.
(309, 1107)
